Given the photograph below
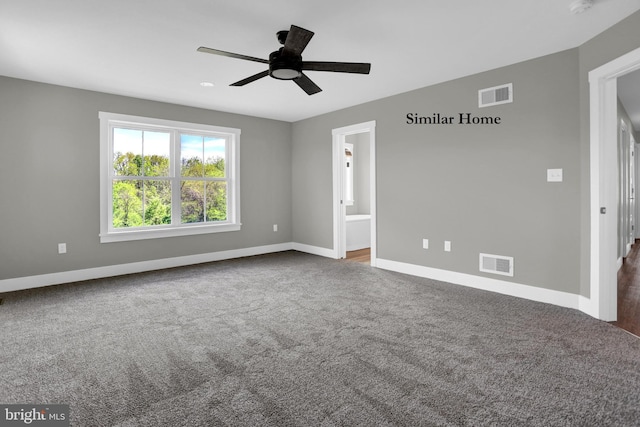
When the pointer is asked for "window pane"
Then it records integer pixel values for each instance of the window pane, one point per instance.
(157, 202)
(127, 152)
(127, 203)
(192, 201)
(191, 153)
(214, 155)
(216, 201)
(156, 153)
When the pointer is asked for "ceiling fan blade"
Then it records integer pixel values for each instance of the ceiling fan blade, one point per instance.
(337, 67)
(231, 55)
(251, 79)
(297, 39)
(307, 85)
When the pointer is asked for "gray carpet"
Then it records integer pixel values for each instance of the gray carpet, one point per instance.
(292, 339)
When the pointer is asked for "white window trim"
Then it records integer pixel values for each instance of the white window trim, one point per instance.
(108, 234)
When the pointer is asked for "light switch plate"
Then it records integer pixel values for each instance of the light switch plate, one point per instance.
(447, 246)
(554, 175)
(425, 243)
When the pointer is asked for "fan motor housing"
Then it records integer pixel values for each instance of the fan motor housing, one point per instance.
(284, 67)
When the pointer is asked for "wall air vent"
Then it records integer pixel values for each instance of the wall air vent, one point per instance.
(496, 264)
(495, 95)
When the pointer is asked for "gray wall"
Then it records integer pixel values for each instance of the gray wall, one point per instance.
(484, 191)
(50, 180)
(479, 188)
(483, 187)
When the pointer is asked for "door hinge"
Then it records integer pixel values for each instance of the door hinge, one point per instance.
(603, 210)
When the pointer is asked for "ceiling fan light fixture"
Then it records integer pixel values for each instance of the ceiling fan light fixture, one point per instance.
(285, 73)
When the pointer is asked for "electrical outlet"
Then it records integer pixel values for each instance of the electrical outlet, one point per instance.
(554, 175)
(62, 248)
(425, 243)
(447, 246)
(275, 227)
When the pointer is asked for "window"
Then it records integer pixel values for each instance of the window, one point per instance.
(163, 178)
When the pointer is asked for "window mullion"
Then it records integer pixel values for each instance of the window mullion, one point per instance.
(142, 181)
(176, 178)
(204, 183)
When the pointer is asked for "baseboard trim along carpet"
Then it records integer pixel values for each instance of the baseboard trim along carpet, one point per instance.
(28, 282)
(559, 298)
(315, 250)
(533, 293)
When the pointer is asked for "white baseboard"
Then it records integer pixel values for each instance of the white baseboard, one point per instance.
(533, 293)
(19, 283)
(585, 305)
(315, 250)
(508, 288)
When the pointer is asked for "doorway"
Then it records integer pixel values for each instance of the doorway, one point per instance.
(605, 185)
(358, 138)
(628, 286)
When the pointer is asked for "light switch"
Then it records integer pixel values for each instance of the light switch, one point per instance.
(554, 175)
(425, 243)
(447, 246)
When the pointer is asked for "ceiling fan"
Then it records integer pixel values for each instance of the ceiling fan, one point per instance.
(286, 63)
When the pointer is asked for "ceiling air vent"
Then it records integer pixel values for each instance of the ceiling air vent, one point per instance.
(496, 264)
(495, 95)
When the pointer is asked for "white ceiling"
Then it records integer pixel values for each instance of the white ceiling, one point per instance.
(147, 48)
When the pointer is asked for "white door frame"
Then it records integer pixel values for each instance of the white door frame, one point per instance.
(636, 168)
(628, 183)
(632, 190)
(339, 208)
(603, 91)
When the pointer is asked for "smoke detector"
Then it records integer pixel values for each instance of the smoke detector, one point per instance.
(579, 6)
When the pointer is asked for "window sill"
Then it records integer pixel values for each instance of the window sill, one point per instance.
(123, 236)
